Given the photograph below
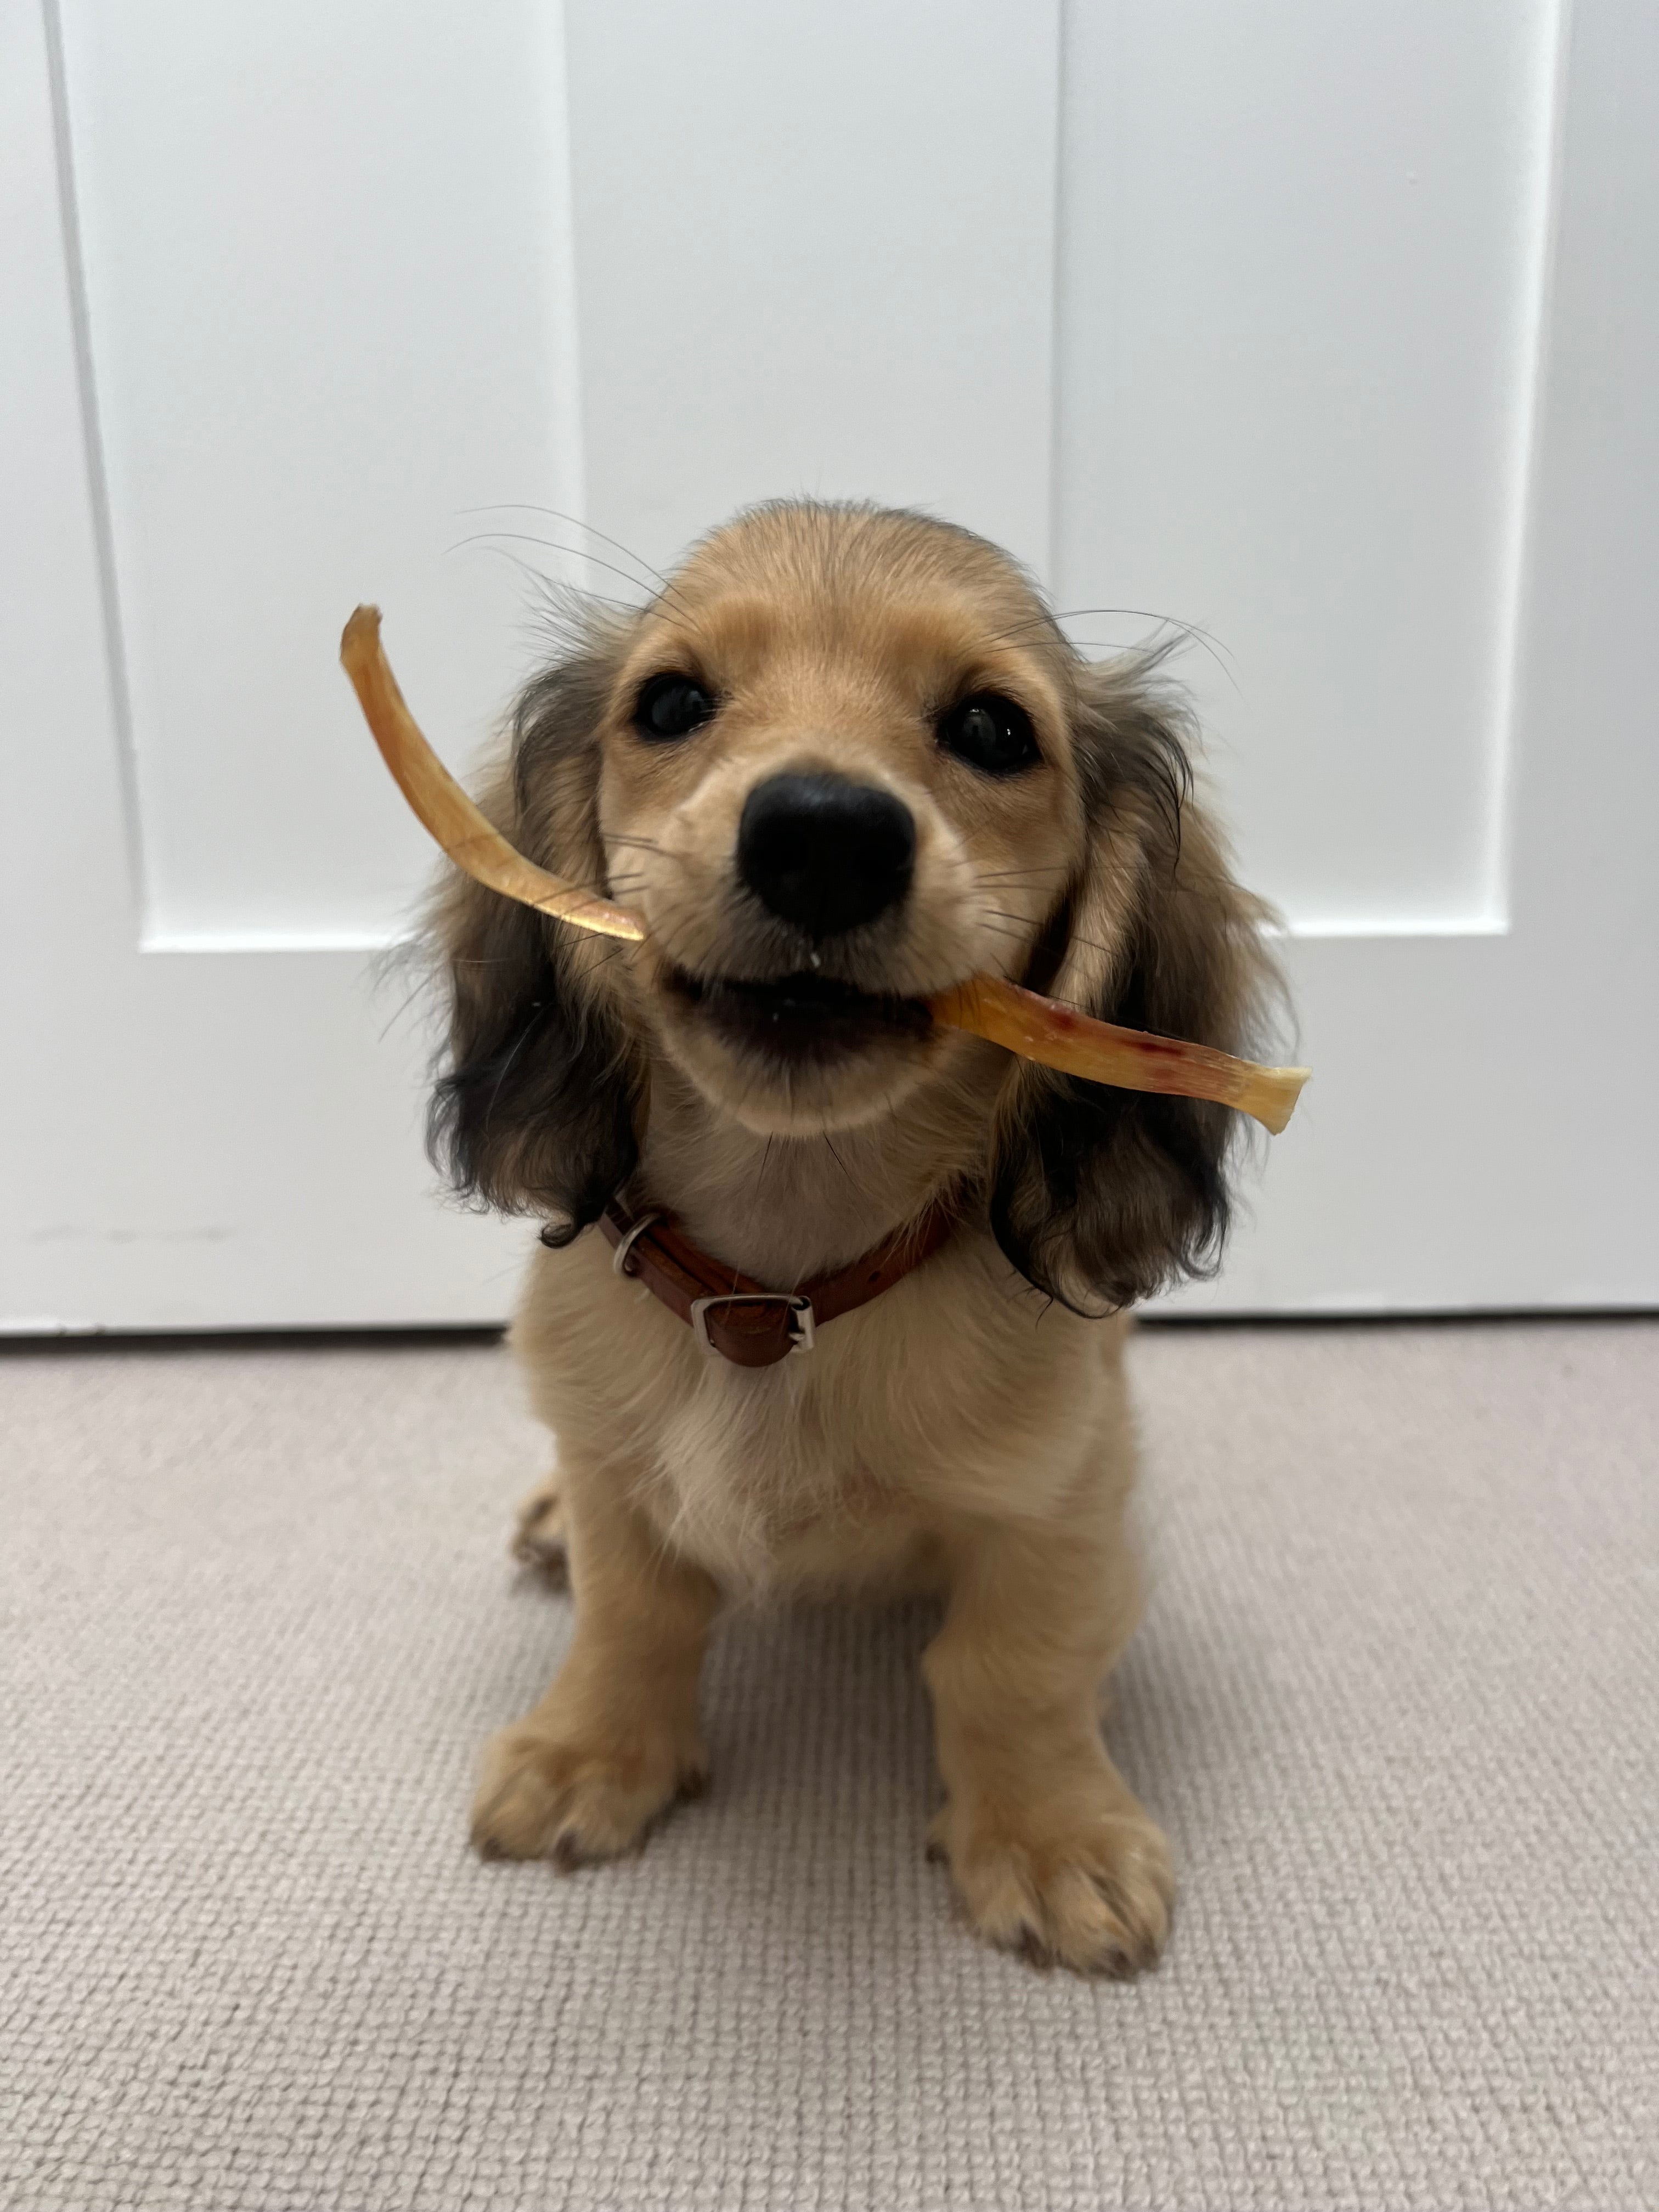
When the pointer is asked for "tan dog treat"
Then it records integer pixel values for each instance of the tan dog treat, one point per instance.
(1007, 1014)
(445, 809)
(1077, 1044)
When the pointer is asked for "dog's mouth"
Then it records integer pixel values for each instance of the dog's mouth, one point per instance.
(800, 1021)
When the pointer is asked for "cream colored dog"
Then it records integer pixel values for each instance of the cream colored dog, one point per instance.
(844, 759)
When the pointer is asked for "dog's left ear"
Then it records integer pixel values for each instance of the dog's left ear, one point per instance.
(1102, 1196)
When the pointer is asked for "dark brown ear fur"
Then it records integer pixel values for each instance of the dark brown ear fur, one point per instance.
(1104, 1196)
(536, 1104)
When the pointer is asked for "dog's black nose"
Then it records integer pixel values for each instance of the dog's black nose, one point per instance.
(825, 853)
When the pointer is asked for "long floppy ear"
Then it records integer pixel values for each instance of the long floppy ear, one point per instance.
(537, 1098)
(1102, 1196)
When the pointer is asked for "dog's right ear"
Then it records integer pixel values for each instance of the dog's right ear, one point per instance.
(536, 1102)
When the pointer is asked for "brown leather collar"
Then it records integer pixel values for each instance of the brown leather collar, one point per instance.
(735, 1317)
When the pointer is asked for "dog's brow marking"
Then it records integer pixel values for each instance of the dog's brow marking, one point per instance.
(1019, 1020)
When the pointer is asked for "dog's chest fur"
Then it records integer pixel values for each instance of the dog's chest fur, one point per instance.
(845, 1467)
(760, 1480)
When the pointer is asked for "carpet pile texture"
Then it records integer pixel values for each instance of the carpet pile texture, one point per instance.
(1396, 1700)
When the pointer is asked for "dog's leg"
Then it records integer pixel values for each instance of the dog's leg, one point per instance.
(1051, 1851)
(539, 1533)
(615, 1740)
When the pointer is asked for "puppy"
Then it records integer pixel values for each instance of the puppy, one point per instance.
(844, 759)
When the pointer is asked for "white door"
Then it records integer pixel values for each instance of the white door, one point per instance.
(1332, 331)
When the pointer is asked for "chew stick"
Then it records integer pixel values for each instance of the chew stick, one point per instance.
(1041, 1028)
(1036, 1028)
(445, 810)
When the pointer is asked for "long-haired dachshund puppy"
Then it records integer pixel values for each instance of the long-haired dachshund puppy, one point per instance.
(831, 1296)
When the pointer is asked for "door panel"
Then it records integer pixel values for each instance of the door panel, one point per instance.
(208, 1138)
(326, 261)
(1301, 302)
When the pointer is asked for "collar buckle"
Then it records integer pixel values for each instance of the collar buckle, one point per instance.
(803, 1323)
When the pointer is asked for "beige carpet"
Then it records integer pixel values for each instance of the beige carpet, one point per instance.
(1397, 1699)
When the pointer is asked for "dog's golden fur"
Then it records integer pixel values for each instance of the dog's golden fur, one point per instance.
(968, 1433)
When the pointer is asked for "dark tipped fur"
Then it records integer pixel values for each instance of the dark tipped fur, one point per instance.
(1099, 1196)
(537, 1110)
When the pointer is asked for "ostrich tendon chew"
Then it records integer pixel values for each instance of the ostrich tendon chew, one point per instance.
(1005, 1013)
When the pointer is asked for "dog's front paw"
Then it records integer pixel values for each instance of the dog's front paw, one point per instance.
(1085, 1882)
(543, 1795)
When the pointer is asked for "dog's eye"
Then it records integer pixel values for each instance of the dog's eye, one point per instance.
(990, 732)
(671, 707)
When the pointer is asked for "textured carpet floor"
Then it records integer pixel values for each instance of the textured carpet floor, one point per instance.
(1397, 1698)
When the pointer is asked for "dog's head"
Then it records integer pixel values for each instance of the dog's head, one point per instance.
(844, 760)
